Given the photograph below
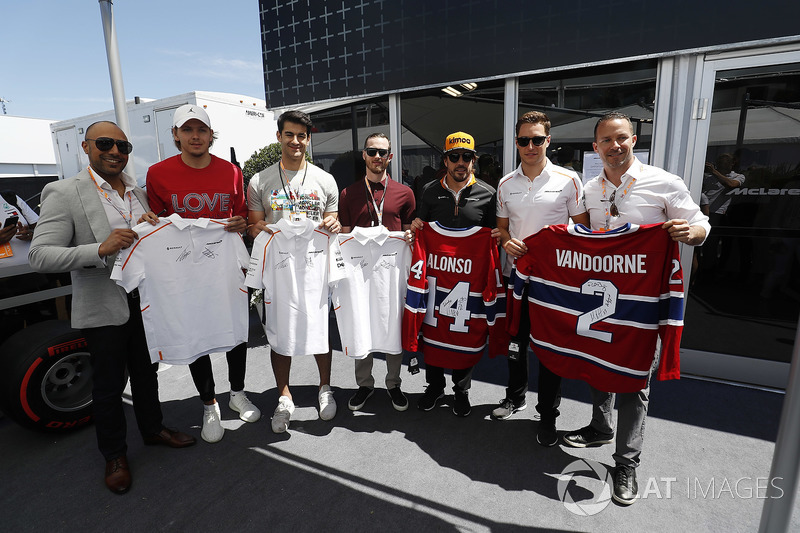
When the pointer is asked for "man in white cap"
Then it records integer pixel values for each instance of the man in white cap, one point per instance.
(197, 184)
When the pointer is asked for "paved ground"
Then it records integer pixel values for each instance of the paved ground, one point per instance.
(707, 452)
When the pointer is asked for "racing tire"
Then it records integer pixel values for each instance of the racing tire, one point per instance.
(46, 377)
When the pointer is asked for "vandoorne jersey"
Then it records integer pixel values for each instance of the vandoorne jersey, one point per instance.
(455, 296)
(291, 265)
(599, 301)
(190, 276)
(369, 272)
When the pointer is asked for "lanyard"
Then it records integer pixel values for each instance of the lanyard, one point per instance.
(284, 182)
(378, 208)
(127, 218)
(607, 203)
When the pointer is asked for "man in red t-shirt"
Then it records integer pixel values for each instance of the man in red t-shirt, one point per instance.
(377, 200)
(197, 184)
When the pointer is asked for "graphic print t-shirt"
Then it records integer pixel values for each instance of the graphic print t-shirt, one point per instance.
(280, 193)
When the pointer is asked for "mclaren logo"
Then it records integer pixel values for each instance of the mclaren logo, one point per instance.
(741, 191)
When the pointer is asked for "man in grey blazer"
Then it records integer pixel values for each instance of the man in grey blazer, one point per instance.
(84, 222)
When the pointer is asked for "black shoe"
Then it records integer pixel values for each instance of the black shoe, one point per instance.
(430, 398)
(399, 400)
(461, 406)
(360, 398)
(546, 434)
(587, 436)
(625, 486)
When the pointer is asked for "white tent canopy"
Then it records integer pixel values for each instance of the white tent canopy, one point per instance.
(26, 147)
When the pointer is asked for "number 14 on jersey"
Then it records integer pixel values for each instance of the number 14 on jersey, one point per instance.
(454, 304)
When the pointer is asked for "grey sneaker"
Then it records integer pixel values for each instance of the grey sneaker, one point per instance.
(282, 414)
(508, 408)
(587, 436)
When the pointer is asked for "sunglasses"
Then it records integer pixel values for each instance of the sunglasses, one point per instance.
(613, 209)
(466, 156)
(372, 152)
(104, 144)
(537, 141)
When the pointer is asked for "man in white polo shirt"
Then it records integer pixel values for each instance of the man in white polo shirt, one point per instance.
(537, 194)
(628, 191)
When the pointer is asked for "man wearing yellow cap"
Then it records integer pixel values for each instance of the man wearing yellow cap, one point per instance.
(458, 200)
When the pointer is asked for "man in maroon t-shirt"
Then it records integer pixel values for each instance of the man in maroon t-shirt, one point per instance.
(377, 200)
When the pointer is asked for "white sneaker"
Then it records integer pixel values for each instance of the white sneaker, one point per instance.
(240, 403)
(212, 428)
(282, 414)
(327, 405)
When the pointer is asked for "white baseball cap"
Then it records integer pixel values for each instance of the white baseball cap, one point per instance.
(187, 112)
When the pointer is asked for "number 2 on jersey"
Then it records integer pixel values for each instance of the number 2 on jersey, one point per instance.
(607, 306)
(454, 305)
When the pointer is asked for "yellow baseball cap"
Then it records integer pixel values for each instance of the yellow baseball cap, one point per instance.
(459, 141)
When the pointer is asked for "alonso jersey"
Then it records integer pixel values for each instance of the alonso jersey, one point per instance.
(190, 276)
(455, 296)
(599, 301)
(369, 274)
(291, 265)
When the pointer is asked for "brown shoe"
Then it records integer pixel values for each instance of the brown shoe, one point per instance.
(170, 437)
(118, 475)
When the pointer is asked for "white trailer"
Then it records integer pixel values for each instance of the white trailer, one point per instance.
(45, 370)
(242, 123)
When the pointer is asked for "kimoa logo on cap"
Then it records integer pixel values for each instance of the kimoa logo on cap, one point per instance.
(454, 140)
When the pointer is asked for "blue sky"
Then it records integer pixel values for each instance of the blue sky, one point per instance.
(53, 60)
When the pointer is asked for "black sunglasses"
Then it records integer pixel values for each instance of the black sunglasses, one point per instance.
(104, 144)
(466, 156)
(379, 151)
(537, 141)
(614, 210)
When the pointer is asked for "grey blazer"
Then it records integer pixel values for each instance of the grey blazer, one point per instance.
(72, 224)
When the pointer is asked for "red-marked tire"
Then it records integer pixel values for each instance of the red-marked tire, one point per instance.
(46, 377)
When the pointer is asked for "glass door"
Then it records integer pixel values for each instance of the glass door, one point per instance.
(743, 299)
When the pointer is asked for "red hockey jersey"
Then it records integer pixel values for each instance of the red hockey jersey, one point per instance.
(599, 301)
(455, 296)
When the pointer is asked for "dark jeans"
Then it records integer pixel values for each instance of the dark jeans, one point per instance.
(462, 378)
(203, 375)
(113, 349)
(549, 397)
